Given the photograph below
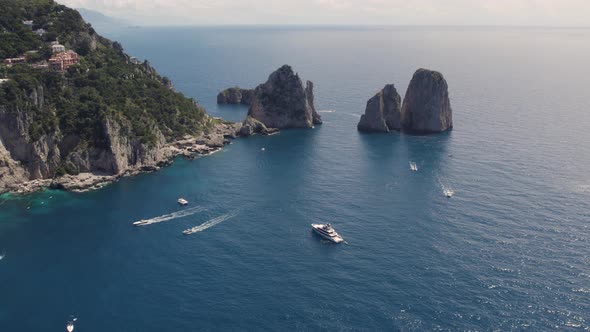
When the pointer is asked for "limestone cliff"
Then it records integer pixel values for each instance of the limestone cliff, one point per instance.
(284, 102)
(383, 112)
(427, 108)
(53, 158)
(235, 96)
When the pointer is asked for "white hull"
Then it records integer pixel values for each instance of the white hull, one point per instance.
(318, 229)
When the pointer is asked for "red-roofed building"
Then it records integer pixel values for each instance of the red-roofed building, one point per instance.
(63, 60)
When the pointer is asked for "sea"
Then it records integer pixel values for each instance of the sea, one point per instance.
(510, 251)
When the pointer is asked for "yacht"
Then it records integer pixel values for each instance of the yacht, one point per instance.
(413, 166)
(327, 231)
(449, 193)
(70, 326)
(182, 201)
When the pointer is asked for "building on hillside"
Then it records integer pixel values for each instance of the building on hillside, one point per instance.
(40, 32)
(134, 60)
(12, 61)
(64, 60)
(28, 24)
(55, 42)
(3, 80)
(40, 65)
(57, 48)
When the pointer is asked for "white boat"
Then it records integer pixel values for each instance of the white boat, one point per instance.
(140, 223)
(182, 201)
(448, 193)
(2, 255)
(413, 166)
(327, 232)
(70, 327)
(262, 149)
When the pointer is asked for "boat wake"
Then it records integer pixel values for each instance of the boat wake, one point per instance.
(210, 223)
(447, 191)
(170, 216)
(2, 255)
(327, 111)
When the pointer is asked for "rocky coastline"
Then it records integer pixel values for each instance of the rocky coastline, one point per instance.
(188, 147)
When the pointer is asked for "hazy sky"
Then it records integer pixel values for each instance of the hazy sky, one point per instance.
(394, 12)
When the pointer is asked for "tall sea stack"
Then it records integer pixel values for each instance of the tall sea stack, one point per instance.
(284, 102)
(383, 112)
(426, 108)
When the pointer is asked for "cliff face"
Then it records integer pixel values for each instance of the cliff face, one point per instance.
(427, 108)
(284, 102)
(106, 115)
(235, 96)
(383, 112)
(23, 158)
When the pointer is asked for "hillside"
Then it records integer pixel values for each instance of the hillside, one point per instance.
(72, 101)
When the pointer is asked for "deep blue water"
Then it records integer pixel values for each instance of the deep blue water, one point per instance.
(510, 251)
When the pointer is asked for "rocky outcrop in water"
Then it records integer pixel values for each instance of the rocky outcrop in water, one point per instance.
(383, 112)
(427, 108)
(235, 96)
(284, 102)
(251, 126)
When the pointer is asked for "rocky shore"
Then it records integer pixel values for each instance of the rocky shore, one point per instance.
(188, 147)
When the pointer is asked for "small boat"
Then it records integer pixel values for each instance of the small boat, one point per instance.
(70, 327)
(262, 149)
(448, 193)
(413, 166)
(140, 223)
(2, 255)
(187, 232)
(327, 232)
(182, 201)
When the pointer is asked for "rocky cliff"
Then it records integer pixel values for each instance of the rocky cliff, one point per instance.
(54, 158)
(383, 112)
(235, 96)
(284, 102)
(100, 119)
(427, 108)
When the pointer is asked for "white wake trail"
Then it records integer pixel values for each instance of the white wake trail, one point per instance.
(170, 216)
(210, 223)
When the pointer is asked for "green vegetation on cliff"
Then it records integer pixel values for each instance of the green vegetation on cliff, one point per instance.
(104, 85)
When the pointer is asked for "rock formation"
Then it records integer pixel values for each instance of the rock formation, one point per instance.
(251, 126)
(426, 108)
(235, 96)
(383, 112)
(284, 102)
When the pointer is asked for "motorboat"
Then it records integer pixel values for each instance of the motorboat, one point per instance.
(327, 232)
(448, 193)
(70, 327)
(141, 222)
(182, 201)
(413, 166)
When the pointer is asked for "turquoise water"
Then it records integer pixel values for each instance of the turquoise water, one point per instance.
(510, 251)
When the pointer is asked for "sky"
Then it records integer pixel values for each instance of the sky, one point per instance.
(344, 12)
